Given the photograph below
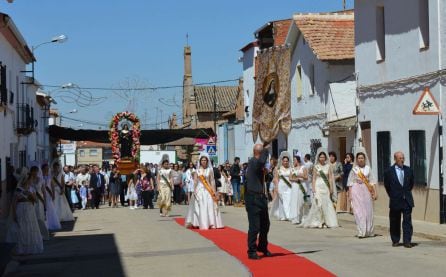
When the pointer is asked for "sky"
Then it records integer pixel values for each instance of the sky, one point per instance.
(139, 43)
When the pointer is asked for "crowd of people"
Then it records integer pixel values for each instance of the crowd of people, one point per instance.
(305, 193)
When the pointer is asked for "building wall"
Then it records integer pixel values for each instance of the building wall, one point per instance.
(402, 41)
(87, 158)
(309, 111)
(390, 108)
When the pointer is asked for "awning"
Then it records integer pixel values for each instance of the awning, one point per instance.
(148, 137)
(343, 124)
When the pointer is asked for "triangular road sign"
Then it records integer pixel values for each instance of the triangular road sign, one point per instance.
(426, 105)
(211, 141)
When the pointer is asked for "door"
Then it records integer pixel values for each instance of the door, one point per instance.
(367, 138)
(342, 148)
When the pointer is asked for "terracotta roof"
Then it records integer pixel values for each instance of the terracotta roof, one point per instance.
(249, 46)
(281, 31)
(330, 35)
(226, 97)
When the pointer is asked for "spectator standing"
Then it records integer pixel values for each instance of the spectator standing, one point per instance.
(235, 180)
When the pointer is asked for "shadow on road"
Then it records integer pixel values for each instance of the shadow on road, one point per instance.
(86, 255)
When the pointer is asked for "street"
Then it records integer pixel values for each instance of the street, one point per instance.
(123, 242)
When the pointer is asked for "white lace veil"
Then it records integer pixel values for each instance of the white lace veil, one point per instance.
(206, 155)
(351, 177)
(39, 172)
(164, 158)
(283, 155)
(23, 175)
(330, 176)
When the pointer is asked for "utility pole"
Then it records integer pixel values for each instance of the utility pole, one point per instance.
(344, 4)
(215, 111)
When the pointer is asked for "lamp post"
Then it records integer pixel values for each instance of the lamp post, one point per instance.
(58, 39)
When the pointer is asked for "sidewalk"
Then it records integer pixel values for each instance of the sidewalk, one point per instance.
(423, 229)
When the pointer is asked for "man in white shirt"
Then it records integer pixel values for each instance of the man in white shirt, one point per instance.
(69, 183)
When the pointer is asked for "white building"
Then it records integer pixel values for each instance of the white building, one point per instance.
(17, 101)
(400, 52)
(322, 82)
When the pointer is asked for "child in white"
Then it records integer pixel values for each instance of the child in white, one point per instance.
(132, 196)
(83, 193)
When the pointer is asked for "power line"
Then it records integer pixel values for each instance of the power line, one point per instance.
(148, 88)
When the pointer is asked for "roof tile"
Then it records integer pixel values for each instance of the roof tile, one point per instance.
(226, 97)
(331, 36)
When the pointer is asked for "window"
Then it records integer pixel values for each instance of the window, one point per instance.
(417, 146)
(3, 87)
(82, 153)
(380, 34)
(423, 23)
(299, 82)
(93, 152)
(383, 153)
(311, 77)
(22, 158)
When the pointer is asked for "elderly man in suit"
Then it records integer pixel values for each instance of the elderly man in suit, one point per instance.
(97, 183)
(399, 181)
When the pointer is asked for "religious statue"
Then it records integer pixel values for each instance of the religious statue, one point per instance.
(125, 140)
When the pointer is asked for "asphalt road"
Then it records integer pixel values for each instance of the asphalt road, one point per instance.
(122, 242)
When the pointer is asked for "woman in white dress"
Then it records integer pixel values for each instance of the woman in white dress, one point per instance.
(24, 229)
(322, 212)
(203, 211)
(165, 187)
(52, 219)
(299, 176)
(60, 200)
(281, 206)
(37, 187)
(223, 190)
(189, 181)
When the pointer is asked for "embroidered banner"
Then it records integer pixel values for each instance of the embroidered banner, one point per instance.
(272, 100)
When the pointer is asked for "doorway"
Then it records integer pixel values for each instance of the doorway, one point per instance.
(367, 138)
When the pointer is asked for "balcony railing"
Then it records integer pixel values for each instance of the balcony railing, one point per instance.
(25, 119)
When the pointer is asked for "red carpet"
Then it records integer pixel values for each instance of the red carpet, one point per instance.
(283, 263)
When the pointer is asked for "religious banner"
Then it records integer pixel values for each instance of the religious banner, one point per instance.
(272, 99)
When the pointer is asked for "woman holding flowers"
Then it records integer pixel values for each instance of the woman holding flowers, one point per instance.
(281, 206)
(322, 212)
(299, 197)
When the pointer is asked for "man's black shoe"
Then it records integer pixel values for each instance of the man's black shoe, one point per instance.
(253, 256)
(408, 245)
(396, 244)
(267, 254)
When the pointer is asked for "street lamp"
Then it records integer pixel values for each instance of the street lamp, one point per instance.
(58, 39)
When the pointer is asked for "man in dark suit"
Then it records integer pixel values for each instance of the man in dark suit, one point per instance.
(399, 181)
(97, 183)
(256, 204)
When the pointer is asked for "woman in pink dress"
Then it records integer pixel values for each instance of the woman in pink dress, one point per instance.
(362, 192)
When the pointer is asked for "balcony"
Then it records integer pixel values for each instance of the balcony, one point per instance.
(25, 119)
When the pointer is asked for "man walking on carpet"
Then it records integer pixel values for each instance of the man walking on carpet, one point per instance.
(256, 203)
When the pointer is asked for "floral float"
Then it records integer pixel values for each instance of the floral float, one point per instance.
(114, 135)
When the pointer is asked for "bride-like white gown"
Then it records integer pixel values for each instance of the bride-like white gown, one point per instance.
(297, 201)
(322, 211)
(61, 204)
(203, 212)
(51, 215)
(281, 206)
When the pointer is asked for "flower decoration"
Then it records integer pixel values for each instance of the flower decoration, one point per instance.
(114, 135)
